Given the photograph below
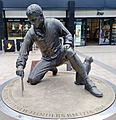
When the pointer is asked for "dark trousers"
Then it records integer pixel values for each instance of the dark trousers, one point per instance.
(44, 66)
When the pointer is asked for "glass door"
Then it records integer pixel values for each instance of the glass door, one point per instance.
(104, 37)
(92, 33)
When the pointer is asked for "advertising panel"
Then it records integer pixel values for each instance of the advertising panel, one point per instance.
(9, 45)
(77, 35)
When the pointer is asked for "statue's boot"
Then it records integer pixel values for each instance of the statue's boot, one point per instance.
(87, 66)
(89, 85)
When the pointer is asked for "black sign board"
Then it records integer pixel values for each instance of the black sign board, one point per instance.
(9, 45)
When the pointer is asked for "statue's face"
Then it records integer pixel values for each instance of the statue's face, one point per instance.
(36, 20)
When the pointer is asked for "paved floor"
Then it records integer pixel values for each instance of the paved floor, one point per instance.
(104, 65)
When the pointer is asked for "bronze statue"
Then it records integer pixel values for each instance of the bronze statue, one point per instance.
(45, 33)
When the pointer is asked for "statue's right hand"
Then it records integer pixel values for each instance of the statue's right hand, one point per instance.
(20, 71)
(66, 46)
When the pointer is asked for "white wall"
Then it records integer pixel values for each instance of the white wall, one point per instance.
(78, 13)
(22, 14)
(93, 13)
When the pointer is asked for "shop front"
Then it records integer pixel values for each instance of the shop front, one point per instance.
(87, 30)
(95, 31)
(93, 22)
(17, 28)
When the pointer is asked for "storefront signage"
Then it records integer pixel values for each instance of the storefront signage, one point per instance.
(100, 13)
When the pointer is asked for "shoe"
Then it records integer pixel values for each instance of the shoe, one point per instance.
(54, 71)
(93, 90)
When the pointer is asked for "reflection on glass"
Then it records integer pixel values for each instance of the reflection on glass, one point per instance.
(17, 29)
(104, 31)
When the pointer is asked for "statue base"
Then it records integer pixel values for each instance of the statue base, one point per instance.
(57, 97)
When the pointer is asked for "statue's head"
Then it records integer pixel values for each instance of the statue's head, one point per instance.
(35, 15)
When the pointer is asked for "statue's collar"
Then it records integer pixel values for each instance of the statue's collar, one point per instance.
(40, 32)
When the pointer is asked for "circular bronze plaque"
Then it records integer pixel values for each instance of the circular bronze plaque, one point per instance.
(57, 97)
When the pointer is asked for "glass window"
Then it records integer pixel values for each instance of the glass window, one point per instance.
(113, 41)
(104, 31)
(17, 28)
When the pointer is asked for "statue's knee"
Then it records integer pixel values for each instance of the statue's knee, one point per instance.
(33, 80)
(30, 78)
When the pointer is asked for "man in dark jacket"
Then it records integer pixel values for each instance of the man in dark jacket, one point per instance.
(45, 33)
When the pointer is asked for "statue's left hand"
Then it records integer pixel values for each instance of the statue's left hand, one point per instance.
(20, 71)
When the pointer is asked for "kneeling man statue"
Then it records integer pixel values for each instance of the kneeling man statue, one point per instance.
(45, 33)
